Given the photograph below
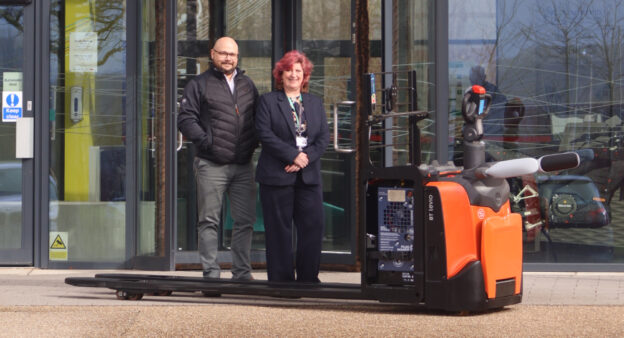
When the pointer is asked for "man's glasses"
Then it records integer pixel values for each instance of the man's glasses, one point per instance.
(224, 54)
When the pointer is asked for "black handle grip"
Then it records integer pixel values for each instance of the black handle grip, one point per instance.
(559, 161)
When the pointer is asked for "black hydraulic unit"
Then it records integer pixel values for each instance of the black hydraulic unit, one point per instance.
(431, 235)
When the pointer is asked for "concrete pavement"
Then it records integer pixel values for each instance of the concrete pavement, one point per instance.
(35, 302)
(32, 286)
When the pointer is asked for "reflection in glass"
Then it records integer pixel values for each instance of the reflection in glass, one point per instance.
(196, 33)
(87, 112)
(411, 51)
(327, 43)
(11, 64)
(555, 70)
(150, 236)
(331, 80)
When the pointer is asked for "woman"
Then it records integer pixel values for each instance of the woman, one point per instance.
(292, 126)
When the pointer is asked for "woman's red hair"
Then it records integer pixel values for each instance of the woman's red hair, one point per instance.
(287, 62)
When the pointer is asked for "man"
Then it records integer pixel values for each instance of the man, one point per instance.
(217, 115)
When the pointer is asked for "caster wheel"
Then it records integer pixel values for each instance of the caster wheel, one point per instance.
(135, 296)
(123, 295)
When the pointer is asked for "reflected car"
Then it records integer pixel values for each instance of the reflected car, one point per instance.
(10, 181)
(11, 188)
(571, 201)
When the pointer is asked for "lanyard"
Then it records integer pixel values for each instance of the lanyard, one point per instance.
(297, 114)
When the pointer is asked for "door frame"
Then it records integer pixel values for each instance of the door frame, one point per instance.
(286, 34)
(133, 56)
(42, 150)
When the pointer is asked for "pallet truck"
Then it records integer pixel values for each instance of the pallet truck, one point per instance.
(432, 236)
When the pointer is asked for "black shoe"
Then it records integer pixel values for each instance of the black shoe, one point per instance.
(244, 279)
(211, 274)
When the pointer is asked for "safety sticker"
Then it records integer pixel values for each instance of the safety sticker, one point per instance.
(58, 246)
(11, 106)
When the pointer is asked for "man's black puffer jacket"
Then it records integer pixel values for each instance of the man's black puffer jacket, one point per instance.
(219, 123)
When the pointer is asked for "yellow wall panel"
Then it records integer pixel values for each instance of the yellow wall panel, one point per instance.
(78, 135)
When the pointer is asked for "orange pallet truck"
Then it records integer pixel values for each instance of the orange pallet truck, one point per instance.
(432, 236)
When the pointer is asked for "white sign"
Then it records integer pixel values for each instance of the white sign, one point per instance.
(11, 106)
(83, 52)
(12, 81)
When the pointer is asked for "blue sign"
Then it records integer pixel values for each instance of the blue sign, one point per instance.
(12, 100)
(11, 106)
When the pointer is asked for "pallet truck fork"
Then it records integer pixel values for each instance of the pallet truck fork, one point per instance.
(432, 236)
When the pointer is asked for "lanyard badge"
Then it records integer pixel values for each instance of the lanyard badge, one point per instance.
(300, 123)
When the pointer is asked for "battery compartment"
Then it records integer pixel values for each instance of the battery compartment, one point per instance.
(391, 215)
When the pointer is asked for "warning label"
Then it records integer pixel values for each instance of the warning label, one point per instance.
(58, 246)
(58, 243)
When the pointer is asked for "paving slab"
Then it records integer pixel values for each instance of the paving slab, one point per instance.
(37, 303)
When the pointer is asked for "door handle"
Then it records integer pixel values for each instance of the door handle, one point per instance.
(336, 146)
(180, 141)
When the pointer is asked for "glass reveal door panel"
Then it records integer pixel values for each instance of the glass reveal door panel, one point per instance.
(88, 130)
(16, 221)
(199, 24)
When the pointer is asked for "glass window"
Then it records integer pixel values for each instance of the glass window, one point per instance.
(254, 40)
(88, 121)
(152, 133)
(196, 33)
(411, 49)
(554, 70)
(327, 43)
(12, 67)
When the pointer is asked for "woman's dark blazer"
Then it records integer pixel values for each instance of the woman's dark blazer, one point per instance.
(276, 131)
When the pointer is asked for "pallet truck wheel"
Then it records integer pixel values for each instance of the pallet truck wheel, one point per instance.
(135, 296)
(123, 295)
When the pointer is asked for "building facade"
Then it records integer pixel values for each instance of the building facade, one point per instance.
(93, 173)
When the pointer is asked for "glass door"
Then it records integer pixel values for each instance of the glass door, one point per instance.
(199, 24)
(88, 140)
(327, 41)
(107, 134)
(16, 179)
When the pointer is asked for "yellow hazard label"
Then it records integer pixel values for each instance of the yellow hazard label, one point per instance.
(58, 255)
(58, 243)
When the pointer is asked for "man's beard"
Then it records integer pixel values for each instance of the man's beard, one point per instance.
(227, 71)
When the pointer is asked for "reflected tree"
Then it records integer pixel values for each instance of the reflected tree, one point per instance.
(560, 30)
(13, 16)
(607, 37)
(109, 17)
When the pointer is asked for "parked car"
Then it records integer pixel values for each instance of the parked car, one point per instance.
(11, 189)
(571, 201)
